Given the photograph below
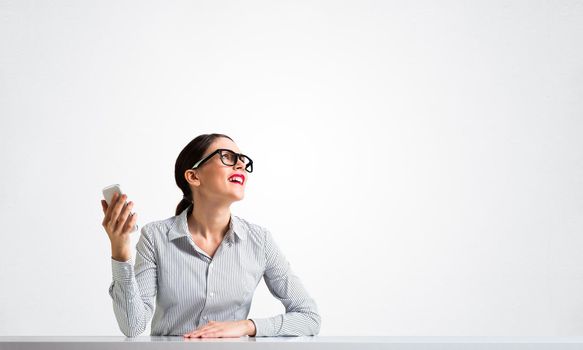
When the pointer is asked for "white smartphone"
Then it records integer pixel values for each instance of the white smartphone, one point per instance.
(108, 195)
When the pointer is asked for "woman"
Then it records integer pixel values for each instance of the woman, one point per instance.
(203, 264)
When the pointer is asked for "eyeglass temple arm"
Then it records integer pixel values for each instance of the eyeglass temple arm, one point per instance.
(195, 165)
(238, 157)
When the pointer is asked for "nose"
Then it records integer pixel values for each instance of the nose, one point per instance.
(239, 164)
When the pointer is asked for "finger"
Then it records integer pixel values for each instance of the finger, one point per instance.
(107, 212)
(111, 206)
(117, 207)
(204, 328)
(194, 334)
(122, 220)
(104, 206)
(130, 218)
(196, 331)
(203, 331)
(132, 221)
(210, 334)
(209, 330)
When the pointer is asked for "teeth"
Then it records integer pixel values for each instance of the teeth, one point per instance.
(236, 179)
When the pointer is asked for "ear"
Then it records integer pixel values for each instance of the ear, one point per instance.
(192, 176)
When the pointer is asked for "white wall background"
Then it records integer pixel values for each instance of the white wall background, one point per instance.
(420, 163)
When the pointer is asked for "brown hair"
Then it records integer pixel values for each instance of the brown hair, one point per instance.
(189, 155)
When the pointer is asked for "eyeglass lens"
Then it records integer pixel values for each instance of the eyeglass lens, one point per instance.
(230, 158)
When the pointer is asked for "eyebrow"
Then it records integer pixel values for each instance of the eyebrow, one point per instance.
(232, 150)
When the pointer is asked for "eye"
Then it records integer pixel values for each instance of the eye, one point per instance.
(228, 156)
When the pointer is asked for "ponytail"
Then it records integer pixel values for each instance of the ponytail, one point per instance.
(183, 204)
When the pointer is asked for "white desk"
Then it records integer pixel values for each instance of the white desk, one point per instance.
(290, 343)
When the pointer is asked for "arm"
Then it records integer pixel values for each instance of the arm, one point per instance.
(301, 317)
(133, 293)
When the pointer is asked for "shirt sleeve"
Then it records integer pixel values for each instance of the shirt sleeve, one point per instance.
(301, 317)
(133, 289)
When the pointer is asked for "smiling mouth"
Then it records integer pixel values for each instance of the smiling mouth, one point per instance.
(236, 180)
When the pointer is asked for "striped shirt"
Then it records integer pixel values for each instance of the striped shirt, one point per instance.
(191, 288)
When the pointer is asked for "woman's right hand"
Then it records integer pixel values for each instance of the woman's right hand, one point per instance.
(118, 224)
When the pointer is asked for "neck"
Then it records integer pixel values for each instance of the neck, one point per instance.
(209, 220)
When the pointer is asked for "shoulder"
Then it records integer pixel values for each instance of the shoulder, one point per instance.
(249, 226)
(256, 233)
(159, 228)
(161, 224)
(252, 229)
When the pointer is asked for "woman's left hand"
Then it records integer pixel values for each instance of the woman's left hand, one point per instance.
(229, 329)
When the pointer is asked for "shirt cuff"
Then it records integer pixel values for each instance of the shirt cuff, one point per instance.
(122, 271)
(266, 327)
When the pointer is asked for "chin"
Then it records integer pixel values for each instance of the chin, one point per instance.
(237, 197)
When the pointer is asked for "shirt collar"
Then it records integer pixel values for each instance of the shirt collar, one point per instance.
(180, 227)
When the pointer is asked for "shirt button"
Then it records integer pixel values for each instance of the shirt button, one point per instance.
(210, 266)
(212, 294)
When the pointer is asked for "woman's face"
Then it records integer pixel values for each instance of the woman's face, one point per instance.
(211, 179)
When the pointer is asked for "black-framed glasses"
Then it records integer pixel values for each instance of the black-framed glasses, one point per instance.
(228, 158)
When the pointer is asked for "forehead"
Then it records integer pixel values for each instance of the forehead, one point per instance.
(223, 142)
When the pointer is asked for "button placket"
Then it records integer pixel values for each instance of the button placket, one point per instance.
(208, 282)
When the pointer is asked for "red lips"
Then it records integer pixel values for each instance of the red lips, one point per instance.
(241, 176)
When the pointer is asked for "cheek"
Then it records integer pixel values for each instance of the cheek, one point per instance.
(220, 183)
(216, 184)
(219, 179)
